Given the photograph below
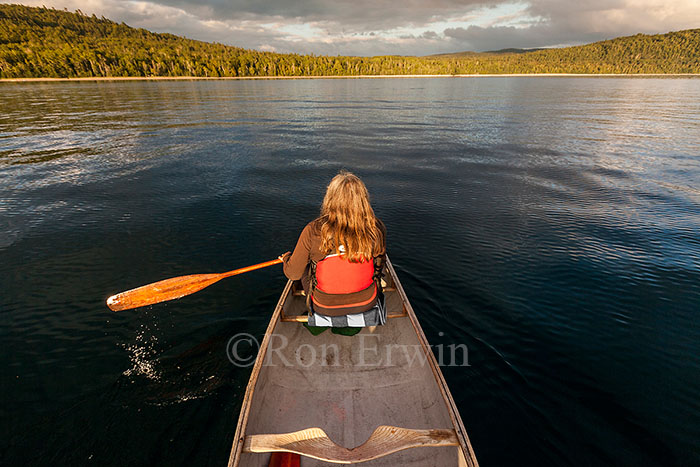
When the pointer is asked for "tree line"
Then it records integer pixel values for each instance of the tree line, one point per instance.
(43, 42)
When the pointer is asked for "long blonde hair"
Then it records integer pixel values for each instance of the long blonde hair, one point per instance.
(347, 220)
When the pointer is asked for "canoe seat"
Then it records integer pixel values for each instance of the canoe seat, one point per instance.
(299, 318)
(314, 442)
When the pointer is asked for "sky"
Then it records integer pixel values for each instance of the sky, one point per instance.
(396, 27)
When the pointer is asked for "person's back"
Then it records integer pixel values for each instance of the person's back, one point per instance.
(339, 256)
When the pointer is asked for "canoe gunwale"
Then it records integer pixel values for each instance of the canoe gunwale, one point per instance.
(465, 444)
(239, 438)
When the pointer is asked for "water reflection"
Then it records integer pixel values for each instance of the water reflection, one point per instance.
(550, 224)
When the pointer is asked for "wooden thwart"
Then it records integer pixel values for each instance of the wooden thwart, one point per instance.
(314, 442)
(305, 318)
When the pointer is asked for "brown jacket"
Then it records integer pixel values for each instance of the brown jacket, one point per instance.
(308, 249)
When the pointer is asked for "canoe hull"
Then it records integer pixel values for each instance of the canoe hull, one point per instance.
(348, 386)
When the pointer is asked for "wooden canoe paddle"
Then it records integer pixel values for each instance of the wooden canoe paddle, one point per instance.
(176, 287)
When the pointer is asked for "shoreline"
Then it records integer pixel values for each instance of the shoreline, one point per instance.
(247, 78)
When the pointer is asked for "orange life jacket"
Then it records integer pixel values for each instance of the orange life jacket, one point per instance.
(336, 275)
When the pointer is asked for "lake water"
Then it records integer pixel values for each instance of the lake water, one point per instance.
(552, 225)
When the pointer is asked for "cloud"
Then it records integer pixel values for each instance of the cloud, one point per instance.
(548, 23)
(355, 15)
(381, 27)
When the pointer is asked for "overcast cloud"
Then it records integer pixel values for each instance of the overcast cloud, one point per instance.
(407, 27)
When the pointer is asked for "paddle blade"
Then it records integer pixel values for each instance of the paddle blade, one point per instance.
(168, 289)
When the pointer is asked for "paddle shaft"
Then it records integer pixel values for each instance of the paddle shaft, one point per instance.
(236, 272)
(175, 287)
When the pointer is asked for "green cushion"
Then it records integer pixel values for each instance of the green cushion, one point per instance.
(315, 330)
(346, 331)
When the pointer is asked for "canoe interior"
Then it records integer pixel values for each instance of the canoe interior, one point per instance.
(347, 386)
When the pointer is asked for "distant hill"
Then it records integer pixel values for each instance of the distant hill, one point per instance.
(464, 54)
(511, 51)
(471, 54)
(41, 42)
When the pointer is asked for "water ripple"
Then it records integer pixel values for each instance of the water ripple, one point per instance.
(552, 226)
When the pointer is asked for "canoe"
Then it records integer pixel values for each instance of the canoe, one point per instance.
(376, 398)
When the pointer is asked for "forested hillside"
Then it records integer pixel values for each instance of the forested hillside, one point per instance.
(41, 42)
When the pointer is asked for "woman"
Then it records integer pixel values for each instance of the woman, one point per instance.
(339, 256)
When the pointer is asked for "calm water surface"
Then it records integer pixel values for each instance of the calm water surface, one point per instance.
(552, 225)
